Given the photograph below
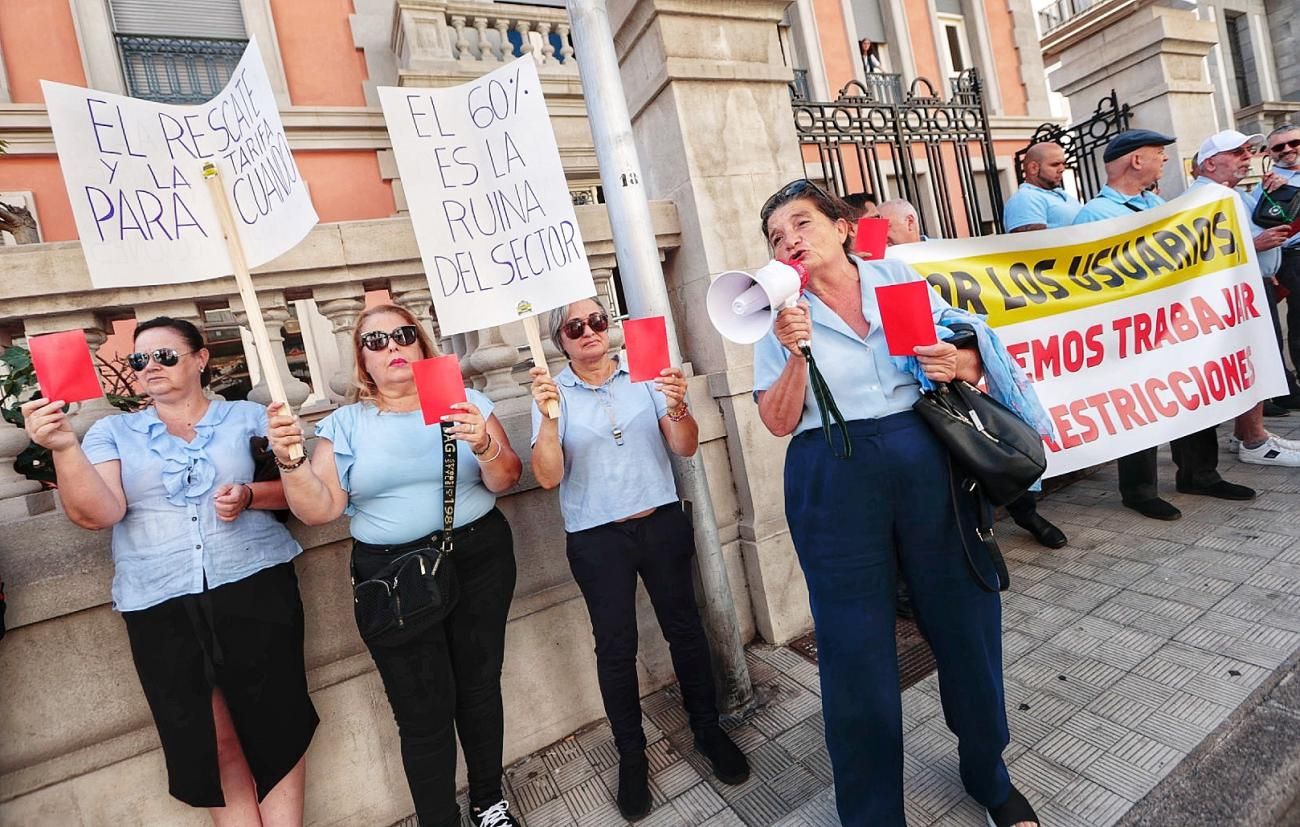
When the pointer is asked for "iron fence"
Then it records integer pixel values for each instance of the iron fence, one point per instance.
(1083, 143)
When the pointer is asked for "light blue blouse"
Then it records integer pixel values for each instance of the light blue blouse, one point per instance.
(170, 540)
(390, 465)
(1034, 205)
(603, 480)
(861, 375)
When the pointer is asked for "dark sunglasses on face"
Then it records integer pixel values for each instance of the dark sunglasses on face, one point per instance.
(165, 356)
(598, 322)
(1291, 144)
(378, 340)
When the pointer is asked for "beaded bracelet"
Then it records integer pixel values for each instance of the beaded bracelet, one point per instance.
(682, 412)
(249, 502)
(290, 466)
(494, 456)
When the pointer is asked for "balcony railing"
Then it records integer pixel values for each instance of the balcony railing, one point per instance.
(177, 69)
(1061, 12)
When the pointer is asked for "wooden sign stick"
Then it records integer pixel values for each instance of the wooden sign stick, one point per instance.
(261, 341)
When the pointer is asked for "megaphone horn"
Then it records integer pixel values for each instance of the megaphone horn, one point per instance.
(743, 307)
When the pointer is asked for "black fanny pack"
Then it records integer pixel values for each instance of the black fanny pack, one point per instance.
(419, 587)
(1276, 208)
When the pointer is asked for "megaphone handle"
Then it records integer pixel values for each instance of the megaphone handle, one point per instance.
(804, 344)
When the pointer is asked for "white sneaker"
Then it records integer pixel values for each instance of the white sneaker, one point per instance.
(1273, 451)
(1234, 444)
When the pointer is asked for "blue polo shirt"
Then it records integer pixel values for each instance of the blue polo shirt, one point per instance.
(1035, 205)
(860, 372)
(1110, 203)
(608, 478)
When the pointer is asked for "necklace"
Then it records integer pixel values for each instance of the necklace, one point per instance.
(605, 396)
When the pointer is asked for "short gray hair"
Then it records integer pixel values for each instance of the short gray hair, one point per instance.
(560, 315)
(1285, 126)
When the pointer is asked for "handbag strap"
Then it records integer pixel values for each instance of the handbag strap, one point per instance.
(983, 530)
(826, 407)
(450, 459)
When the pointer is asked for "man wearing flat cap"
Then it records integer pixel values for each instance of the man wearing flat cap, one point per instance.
(1134, 162)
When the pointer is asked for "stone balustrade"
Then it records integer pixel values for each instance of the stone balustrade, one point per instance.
(456, 38)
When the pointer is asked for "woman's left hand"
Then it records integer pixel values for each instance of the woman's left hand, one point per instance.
(939, 361)
(672, 384)
(470, 426)
(231, 499)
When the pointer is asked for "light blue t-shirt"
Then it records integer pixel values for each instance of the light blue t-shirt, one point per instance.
(390, 465)
(1034, 205)
(170, 539)
(1111, 203)
(860, 373)
(603, 480)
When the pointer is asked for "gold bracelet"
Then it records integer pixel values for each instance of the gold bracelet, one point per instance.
(682, 412)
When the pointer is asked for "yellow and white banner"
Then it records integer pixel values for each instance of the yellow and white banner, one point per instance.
(1135, 330)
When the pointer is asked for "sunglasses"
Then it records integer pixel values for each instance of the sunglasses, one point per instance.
(791, 191)
(1292, 144)
(165, 356)
(598, 322)
(378, 339)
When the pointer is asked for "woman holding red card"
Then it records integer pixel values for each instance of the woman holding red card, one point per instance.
(377, 461)
(203, 577)
(609, 454)
(874, 502)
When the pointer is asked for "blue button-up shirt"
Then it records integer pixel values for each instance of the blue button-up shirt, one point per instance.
(860, 372)
(170, 540)
(608, 478)
(1110, 203)
(1035, 205)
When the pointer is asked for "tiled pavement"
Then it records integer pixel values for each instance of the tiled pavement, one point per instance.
(1123, 651)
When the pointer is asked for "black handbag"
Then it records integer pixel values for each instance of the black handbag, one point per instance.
(988, 443)
(416, 590)
(1276, 208)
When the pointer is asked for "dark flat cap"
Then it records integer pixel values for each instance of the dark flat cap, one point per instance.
(1125, 142)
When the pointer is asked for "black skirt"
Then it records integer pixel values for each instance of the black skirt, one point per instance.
(246, 639)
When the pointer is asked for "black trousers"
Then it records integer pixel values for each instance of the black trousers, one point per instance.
(605, 561)
(1289, 277)
(1023, 507)
(1197, 458)
(448, 681)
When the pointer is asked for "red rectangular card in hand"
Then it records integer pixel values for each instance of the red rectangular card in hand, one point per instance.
(439, 384)
(905, 315)
(63, 366)
(646, 341)
(869, 238)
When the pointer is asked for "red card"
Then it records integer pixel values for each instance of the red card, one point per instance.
(63, 366)
(905, 315)
(869, 238)
(646, 341)
(438, 382)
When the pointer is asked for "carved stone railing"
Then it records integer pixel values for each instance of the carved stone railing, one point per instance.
(465, 38)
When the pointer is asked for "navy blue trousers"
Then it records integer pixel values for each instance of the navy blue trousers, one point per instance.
(855, 522)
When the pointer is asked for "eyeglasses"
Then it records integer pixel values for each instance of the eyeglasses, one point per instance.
(165, 356)
(378, 339)
(598, 322)
(1285, 145)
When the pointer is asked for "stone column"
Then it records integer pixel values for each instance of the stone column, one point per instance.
(274, 313)
(495, 358)
(1153, 56)
(718, 69)
(342, 312)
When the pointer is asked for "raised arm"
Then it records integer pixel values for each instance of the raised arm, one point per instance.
(92, 495)
(311, 489)
(548, 454)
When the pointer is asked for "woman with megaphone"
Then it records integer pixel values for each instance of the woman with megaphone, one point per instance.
(872, 500)
(608, 451)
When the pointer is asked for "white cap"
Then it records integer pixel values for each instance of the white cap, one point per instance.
(1226, 141)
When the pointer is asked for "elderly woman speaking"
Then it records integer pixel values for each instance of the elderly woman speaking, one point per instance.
(860, 520)
(202, 576)
(608, 453)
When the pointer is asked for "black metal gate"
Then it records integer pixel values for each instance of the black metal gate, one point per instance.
(936, 153)
(1082, 143)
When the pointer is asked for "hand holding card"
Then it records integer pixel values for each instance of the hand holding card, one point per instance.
(63, 366)
(439, 384)
(646, 341)
(905, 315)
(869, 238)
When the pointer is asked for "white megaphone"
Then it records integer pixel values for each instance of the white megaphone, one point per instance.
(744, 307)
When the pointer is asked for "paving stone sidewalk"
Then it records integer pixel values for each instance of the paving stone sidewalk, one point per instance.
(1122, 652)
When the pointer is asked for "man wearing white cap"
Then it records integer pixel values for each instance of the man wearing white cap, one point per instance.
(1224, 159)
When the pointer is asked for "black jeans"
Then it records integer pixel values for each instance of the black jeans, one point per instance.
(605, 561)
(448, 681)
(1197, 458)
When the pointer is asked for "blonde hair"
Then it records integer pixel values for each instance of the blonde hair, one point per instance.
(363, 387)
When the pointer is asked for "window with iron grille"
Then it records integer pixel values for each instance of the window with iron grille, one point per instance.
(178, 51)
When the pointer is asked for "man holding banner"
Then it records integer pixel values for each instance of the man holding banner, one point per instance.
(1134, 162)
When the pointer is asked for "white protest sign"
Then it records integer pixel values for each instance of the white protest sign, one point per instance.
(489, 202)
(1135, 330)
(134, 172)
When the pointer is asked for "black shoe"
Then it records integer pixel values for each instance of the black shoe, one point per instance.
(633, 786)
(1291, 402)
(498, 815)
(1156, 509)
(1222, 489)
(1044, 532)
(729, 763)
(1271, 408)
